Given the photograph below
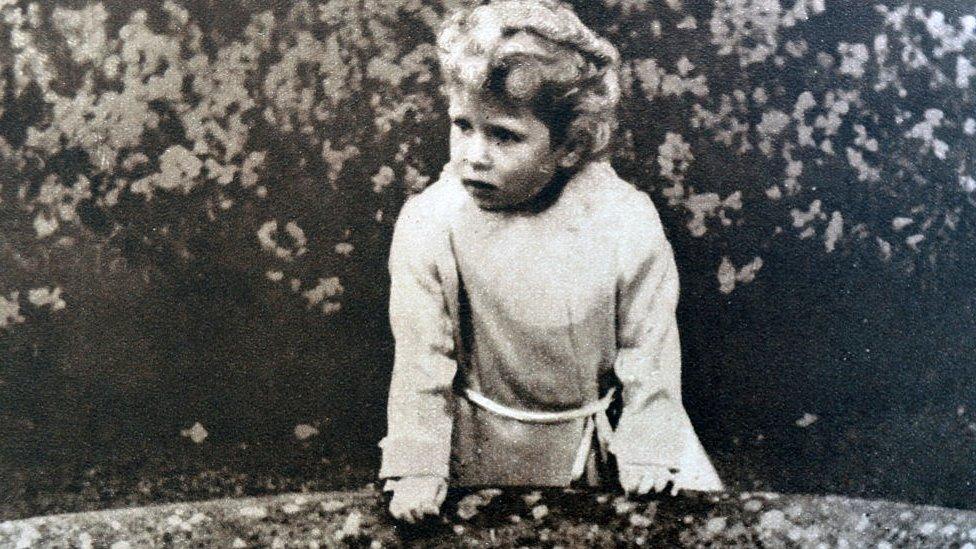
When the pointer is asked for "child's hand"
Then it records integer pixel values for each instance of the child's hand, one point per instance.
(641, 479)
(417, 497)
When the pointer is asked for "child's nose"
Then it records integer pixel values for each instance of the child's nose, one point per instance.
(478, 152)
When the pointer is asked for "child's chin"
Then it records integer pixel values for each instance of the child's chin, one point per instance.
(489, 203)
(491, 206)
(493, 202)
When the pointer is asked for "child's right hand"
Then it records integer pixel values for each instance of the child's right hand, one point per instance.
(642, 479)
(414, 498)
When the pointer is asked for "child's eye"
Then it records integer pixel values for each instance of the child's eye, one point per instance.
(462, 124)
(505, 135)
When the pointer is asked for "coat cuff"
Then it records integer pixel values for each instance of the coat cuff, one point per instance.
(406, 457)
(656, 435)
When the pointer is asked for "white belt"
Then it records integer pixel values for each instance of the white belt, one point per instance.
(594, 412)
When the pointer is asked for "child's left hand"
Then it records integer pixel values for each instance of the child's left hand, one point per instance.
(641, 479)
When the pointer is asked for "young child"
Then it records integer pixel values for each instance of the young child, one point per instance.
(527, 276)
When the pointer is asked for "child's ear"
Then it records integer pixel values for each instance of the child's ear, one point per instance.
(567, 156)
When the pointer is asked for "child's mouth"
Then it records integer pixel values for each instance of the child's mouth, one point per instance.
(478, 186)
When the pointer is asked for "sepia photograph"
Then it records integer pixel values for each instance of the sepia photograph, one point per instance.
(487, 273)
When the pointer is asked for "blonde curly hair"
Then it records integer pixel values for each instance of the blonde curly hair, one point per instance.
(537, 53)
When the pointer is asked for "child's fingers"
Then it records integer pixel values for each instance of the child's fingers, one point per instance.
(415, 498)
(423, 511)
(401, 513)
(431, 509)
(416, 514)
(440, 496)
(406, 517)
(646, 483)
(629, 481)
(394, 508)
(652, 482)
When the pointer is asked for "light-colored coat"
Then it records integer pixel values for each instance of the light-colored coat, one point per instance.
(531, 310)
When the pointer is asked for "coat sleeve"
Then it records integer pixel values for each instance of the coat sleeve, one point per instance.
(653, 428)
(419, 418)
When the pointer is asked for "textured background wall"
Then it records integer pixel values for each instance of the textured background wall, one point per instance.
(196, 201)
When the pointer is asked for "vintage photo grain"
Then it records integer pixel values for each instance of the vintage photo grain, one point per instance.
(507, 273)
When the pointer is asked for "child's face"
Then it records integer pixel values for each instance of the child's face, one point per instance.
(502, 154)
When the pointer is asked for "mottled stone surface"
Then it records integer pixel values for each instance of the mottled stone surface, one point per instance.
(196, 201)
(491, 518)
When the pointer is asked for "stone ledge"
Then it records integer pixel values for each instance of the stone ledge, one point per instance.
(512, 518)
